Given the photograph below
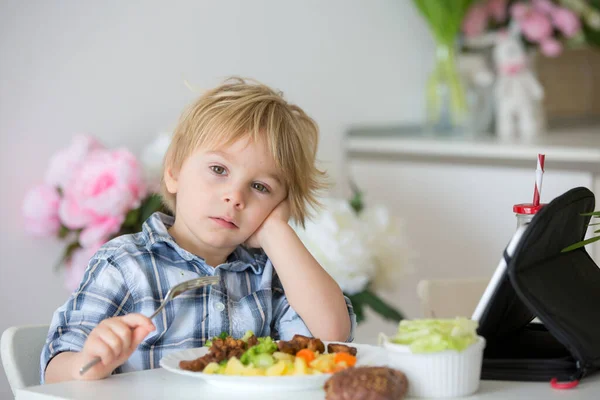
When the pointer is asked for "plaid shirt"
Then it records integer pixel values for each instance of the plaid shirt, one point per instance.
(132, 274)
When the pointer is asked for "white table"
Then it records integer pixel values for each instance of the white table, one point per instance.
(161, 384)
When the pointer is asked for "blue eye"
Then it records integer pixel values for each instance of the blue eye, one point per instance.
(217, 169)
(260, 187)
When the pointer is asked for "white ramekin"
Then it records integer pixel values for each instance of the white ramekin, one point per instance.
(448, 373)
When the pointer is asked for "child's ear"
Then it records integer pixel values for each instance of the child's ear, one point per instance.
(170, 177)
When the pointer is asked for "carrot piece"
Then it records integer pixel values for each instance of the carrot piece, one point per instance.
(349, 359)
(306, 354)
(339, 367)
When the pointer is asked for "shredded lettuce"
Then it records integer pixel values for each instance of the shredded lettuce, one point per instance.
(247, 336)
(259, 355)
(256, 354)
(225, 335)
(433, 335)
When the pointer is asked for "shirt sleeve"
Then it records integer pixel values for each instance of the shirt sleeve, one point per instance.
(102, 293)
(287, 323)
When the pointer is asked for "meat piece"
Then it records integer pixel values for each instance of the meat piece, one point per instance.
(218, 354)
(220, 350)
(341, 348)
(301, 341)
(218, 344)
(233, 343)
(316, 345)
(366, 383)
(252, 341)
(288, 347)
(194, 365)
(235, 352)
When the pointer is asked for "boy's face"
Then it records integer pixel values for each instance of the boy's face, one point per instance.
(223, 196)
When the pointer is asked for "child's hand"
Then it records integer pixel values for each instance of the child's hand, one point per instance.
(113, 340)
(281, 213)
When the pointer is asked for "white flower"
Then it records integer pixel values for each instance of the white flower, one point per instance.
(334, 237)
(355, 250)
(152, 160)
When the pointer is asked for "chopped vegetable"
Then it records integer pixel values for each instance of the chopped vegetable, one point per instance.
(223, 336)
(433, 335)
(247, 336)
(263, 360)
(306, 354)
(265, 345)
(349, 359)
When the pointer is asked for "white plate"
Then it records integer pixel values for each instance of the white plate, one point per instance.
(366, 355)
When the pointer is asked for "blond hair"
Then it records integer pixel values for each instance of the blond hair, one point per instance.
(238, 108)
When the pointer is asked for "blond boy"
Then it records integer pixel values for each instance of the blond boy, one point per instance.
(240, 164)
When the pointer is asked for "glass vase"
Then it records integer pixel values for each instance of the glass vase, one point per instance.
(447, 109)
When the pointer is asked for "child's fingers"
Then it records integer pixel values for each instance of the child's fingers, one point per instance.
(99, 348)
(114, 339)
(123, 332)
(139, 334)
(111, 339)
(134, 320)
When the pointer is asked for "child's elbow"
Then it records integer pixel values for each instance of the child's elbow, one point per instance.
(339, 332)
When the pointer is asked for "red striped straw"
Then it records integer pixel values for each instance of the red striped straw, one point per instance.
(539, 174)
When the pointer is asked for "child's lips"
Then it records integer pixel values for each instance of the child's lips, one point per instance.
(225, 223)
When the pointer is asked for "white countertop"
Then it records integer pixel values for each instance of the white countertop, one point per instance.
(162, 384)
(577, 145)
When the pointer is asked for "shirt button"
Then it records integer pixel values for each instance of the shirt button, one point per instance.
(219, 306)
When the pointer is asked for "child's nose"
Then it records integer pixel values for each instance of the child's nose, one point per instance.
(235, 197)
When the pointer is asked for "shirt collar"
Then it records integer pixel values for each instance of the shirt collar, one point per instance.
(155, 231)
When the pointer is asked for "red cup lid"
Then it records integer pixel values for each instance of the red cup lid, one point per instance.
(527, 208)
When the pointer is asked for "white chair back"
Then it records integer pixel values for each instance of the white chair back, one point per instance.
(20, 348)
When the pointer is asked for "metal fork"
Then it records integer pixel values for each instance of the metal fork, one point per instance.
(171, 294)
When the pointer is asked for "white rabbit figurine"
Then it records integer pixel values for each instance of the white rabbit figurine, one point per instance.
(518, 93)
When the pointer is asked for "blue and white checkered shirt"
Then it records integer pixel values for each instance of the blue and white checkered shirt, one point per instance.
(132, 274)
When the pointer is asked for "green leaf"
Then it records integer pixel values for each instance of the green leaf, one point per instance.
(593, 214)
(150, 205)
(444, 17)
(592, 36)
(369, 298)
(66, 254)
(580, 244)
(358, 308)
(132, 217)
(382, 308)
(356, 202)
(63, 231)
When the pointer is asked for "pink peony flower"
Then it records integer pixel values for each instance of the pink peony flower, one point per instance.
(497, 9)
(66, 162)
(545, 6)
(100, 230)
(519, 10)
(106, 187)
(476, 20)
(551, 47)
(77, 264)
(536, 26)
(40, 210)
(566, 21)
